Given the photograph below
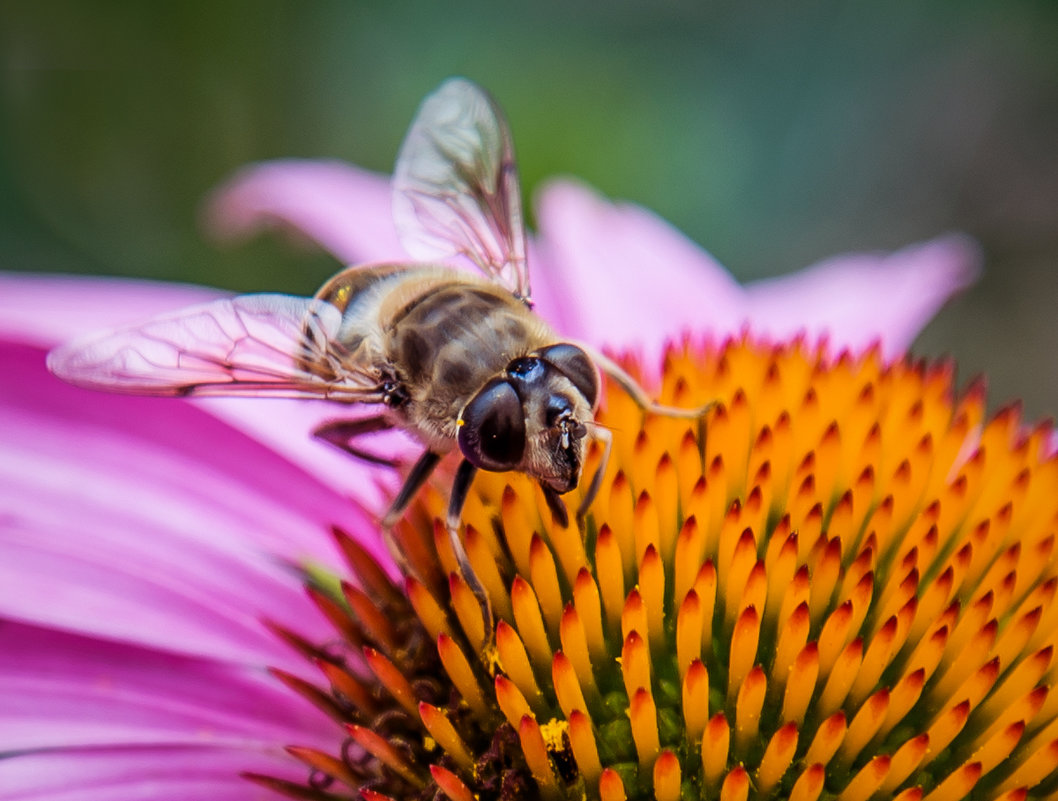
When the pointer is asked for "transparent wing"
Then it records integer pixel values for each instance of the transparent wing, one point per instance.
(275, 345)
(455, 186)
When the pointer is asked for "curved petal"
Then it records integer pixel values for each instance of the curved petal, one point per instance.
(49, 309)
(286, 426)
(137, 520)
(61, 690)
(622, 276)
(345, 209)
(160, 773)
(858, 299)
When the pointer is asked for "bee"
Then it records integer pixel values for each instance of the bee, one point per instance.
(457, 359)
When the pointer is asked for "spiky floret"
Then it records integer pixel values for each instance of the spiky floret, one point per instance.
(840, 586)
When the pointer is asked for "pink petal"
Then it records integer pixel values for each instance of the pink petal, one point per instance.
(622, 276)
(140, 520)
(49, 309)
(860, 298)
(345, 209)
(59, 690)
(286, 426)
(163, 773)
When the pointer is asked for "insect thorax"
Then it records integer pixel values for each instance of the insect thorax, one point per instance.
(440, 333)
(452, 340)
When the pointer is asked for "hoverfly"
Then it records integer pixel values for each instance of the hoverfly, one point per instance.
(454, 358)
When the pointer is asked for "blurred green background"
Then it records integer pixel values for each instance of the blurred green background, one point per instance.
(773, 133)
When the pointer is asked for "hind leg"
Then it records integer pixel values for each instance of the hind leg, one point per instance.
(460, 489)
(342, 433)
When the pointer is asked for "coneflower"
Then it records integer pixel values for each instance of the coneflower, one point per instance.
(685, 641)
(840, 587)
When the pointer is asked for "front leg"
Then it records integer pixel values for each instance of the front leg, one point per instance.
(606, 438)
(644, 401)
(420, 471)
(556, 505)
(460, 489)
(638, 394)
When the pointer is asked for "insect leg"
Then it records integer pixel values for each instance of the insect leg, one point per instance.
(556, 505)
(606, 438)
(341, 433)
(460, 488)
(420, 471)
(638, 394)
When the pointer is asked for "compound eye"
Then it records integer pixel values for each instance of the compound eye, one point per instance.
(574, 363)
(527, 368)
(492, 428)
